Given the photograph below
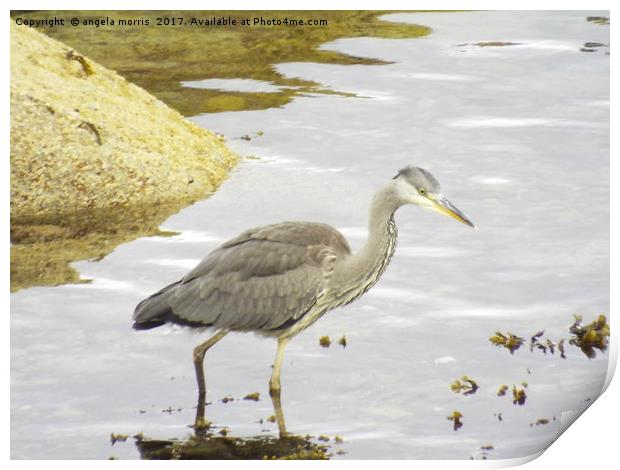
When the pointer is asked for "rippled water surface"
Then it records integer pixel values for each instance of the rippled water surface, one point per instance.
(518, 135)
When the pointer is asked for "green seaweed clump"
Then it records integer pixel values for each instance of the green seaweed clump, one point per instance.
(114, 438)
(455, 417)
(509, 341)
(561, 348)
(589, 337)
(518, 395)
(232, 448)
(536, 342)
(464, 384)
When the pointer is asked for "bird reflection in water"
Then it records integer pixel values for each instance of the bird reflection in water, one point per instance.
(207, 443)
(201, 424)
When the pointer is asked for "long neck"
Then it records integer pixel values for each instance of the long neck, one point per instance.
(362, 270)
(382, 233)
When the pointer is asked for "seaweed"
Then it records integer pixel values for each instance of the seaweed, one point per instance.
(465, 385)
(518, 396)
(589, 337)
(594, 335)
(225, 447)
(114, 438)
(561, 348)
(509, 341)
(455, 417)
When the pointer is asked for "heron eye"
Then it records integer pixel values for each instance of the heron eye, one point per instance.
(422, 191)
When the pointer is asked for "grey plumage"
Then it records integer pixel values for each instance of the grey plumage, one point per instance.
(259, 281)
(420, 178)
(279, 279)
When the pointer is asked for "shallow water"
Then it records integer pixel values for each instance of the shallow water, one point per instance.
(519, 138)
(234, 84)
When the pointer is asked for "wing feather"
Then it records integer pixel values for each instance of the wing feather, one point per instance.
(259, 280)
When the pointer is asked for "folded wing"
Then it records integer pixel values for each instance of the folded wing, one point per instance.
(264, 279)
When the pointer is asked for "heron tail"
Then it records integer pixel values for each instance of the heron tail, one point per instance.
(154, 311)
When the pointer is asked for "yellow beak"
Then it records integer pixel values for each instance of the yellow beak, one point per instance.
(445, 207)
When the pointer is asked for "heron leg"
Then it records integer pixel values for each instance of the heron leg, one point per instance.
(199, 355)
(277, 407)
(274, 382)
(275, 386)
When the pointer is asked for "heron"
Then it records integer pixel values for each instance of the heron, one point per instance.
(279, 279)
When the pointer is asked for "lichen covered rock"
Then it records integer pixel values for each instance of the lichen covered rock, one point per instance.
(91, 153)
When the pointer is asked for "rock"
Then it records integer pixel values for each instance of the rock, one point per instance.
(92, 154)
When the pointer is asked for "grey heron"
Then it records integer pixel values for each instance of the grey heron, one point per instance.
(279, 279)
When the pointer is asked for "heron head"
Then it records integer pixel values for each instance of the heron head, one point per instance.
(417, 186)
